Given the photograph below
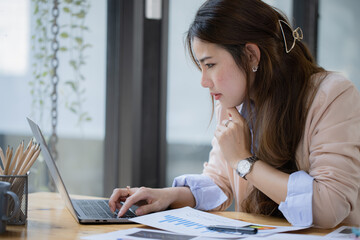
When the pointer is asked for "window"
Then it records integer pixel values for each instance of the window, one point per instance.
(80, 147)
(188, 104)
(338, 43)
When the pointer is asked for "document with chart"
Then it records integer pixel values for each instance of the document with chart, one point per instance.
(194, 222)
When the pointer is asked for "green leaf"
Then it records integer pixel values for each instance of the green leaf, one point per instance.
(86, 46)
(36, 10)
(66, 9)
(83, 115)
(63, 49)
(68, 1)
(72, 85)
(39, 56)
(80, 14)
(73, 64)
(84, 27)
(64, 35)
(79, 40)
(73, 110)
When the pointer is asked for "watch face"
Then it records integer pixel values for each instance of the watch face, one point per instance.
(244, 167)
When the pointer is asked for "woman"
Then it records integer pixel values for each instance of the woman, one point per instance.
(288, 134)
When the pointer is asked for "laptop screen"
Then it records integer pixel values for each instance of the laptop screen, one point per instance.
(52, 166)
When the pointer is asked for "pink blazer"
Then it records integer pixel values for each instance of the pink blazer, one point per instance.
(328, 151)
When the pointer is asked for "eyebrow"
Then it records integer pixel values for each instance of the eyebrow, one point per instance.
(203, 59)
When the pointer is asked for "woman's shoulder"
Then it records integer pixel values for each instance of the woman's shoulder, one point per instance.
(333, 81)
(331, 85)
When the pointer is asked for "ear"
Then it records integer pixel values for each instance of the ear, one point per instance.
(253, 53)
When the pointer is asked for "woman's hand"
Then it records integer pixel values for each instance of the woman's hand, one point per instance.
(149, 199)
(234, 138)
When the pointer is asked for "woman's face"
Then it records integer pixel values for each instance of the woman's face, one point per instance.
(220, 74)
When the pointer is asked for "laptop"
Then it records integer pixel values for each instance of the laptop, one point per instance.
(83, 210)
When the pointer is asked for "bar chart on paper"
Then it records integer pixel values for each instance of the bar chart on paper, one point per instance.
(188, 221)
(178, 221)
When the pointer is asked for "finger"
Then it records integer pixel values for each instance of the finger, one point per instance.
(138, 196)
(219, 132)
(221, 128)
(119, 205)
(226, 122)
(115, 196)
(234, 114)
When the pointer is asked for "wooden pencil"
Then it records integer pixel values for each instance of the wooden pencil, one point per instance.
(2, 158)
(16, 159)
(2, 163)
(28, 159)
(9, 156)
(25, 158)
(6, 171)
(31, 162)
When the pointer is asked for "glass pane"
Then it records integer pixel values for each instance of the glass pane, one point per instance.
(25, 78)
(189, 105)
(339, 34)
(284, 6)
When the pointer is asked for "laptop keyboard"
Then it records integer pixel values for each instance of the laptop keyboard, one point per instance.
(100, 209)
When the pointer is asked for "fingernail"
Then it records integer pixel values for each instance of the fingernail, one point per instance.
(138, 212)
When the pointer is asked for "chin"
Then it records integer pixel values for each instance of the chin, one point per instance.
(228, 105)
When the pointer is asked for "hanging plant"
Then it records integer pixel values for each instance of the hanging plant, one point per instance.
(41, 85)
(73, 46)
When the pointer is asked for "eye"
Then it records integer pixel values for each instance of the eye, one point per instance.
(210, 65)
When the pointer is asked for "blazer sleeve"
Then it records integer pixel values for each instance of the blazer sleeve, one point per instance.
(334, 143)
(216, 168)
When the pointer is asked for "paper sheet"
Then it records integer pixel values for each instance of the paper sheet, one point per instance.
(343, 232)
(141, 233)
(194, 222)
(287, 236)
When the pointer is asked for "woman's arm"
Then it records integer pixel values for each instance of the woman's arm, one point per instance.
(235, 142)
(269, 180)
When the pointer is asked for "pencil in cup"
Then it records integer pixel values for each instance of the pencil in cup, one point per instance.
(15, 170)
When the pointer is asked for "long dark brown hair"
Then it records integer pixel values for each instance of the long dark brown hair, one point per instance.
(282, 87)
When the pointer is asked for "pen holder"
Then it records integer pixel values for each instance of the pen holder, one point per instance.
(19, 185)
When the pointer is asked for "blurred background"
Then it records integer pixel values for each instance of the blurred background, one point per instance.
(131, 110)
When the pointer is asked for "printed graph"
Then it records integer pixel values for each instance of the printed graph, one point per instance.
(178, 221)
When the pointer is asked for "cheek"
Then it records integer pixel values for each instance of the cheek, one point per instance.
(236, 87)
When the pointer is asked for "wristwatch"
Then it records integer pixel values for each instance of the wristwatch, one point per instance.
(244, 166)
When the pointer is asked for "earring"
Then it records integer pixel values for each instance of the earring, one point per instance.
(254, 68)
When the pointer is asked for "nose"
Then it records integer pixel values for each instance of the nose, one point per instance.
(206, 81)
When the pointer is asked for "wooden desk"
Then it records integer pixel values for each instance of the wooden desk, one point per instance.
(48, 218)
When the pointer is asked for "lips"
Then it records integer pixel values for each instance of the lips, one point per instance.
(216, 95)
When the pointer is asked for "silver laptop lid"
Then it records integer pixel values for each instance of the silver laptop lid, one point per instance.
(52, 167)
